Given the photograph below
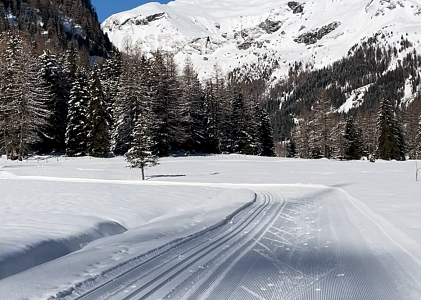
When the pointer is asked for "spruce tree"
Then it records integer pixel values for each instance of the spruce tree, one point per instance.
(53, 74)
(353, 140)
(110, 77)
(132, 89)
(191, 110)
(140, 155)
(11, 91)
(390, 142)
(77, 121)
(210, 120)
(321, 125)
(98, 134)
(162, 80)
(24, 113)
(265, 133)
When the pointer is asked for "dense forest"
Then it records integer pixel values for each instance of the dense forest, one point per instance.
(52, 24)
(305, 106)
(69, 105)
(64, 88)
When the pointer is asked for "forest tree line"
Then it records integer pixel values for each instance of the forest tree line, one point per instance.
(387, 132)
(303, 107)
(68, 104)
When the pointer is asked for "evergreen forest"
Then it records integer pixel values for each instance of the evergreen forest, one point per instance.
(64, 88)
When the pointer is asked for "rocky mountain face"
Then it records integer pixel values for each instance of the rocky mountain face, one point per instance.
(263, 36)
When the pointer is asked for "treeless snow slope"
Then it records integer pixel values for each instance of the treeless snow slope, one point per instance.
(67, 200)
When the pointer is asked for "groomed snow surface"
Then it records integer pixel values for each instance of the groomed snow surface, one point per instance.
(256, 228)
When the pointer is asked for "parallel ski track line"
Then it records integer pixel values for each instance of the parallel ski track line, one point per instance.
(250, 210)
(231, 259)
(164, 278)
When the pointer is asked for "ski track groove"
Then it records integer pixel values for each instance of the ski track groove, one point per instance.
(308, 258)
(218, 269)
(159, 252)
(162, 279)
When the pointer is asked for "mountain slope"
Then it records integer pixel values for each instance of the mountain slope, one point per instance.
(264, 37)
(53, 24)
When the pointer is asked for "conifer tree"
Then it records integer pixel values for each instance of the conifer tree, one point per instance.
(110, 77)
(353, 140)
(411, 121)
(140, 155)
(210, 120)
(71, 62)
(191, 110)
(301, 135)
(77, 120)
(11, 83)
(132, 89)
(99, 135)
(266, 145)
(162, 80)
(321, 126)
(390, 142)
(53, 74)
(24, 112)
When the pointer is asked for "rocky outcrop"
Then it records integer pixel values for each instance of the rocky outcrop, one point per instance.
(315, 35)
(270, 26)
(143, 21)
(296, 7)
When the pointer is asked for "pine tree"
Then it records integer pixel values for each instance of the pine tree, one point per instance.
(301, 135)
(24, 113)
(266, 146)
(191, 111)
(132, 89)
(110, 76)
(390, 142)
(71, 62)
(77, 121)
(411, 121)
(353, 140)
(210, 120)
(321, 126)
(53, 74)
(99, 135)
(140, 154)
(162, 80)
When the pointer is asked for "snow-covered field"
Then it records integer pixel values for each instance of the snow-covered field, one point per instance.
(77, 218)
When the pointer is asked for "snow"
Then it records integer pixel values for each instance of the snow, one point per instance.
(186, 25)
(78, 217)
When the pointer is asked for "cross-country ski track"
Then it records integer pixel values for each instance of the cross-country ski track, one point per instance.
(278, 247)
(292, 242)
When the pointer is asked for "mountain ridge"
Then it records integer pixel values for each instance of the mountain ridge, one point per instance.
(233, 34)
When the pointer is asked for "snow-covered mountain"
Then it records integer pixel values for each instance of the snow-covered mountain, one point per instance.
(264, 34)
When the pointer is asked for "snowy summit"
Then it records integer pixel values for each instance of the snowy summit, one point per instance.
(235, 34)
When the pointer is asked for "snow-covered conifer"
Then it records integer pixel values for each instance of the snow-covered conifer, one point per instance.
(353, 140)
(131, 92)
(24, 113)
(390, 142)
(99, 135)
(77, 122)
(140, 154)
(321, 125)
(53, 74)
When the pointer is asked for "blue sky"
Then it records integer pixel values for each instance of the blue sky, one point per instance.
(106, 8)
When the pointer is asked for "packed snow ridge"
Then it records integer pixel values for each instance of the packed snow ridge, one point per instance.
(232, 33)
